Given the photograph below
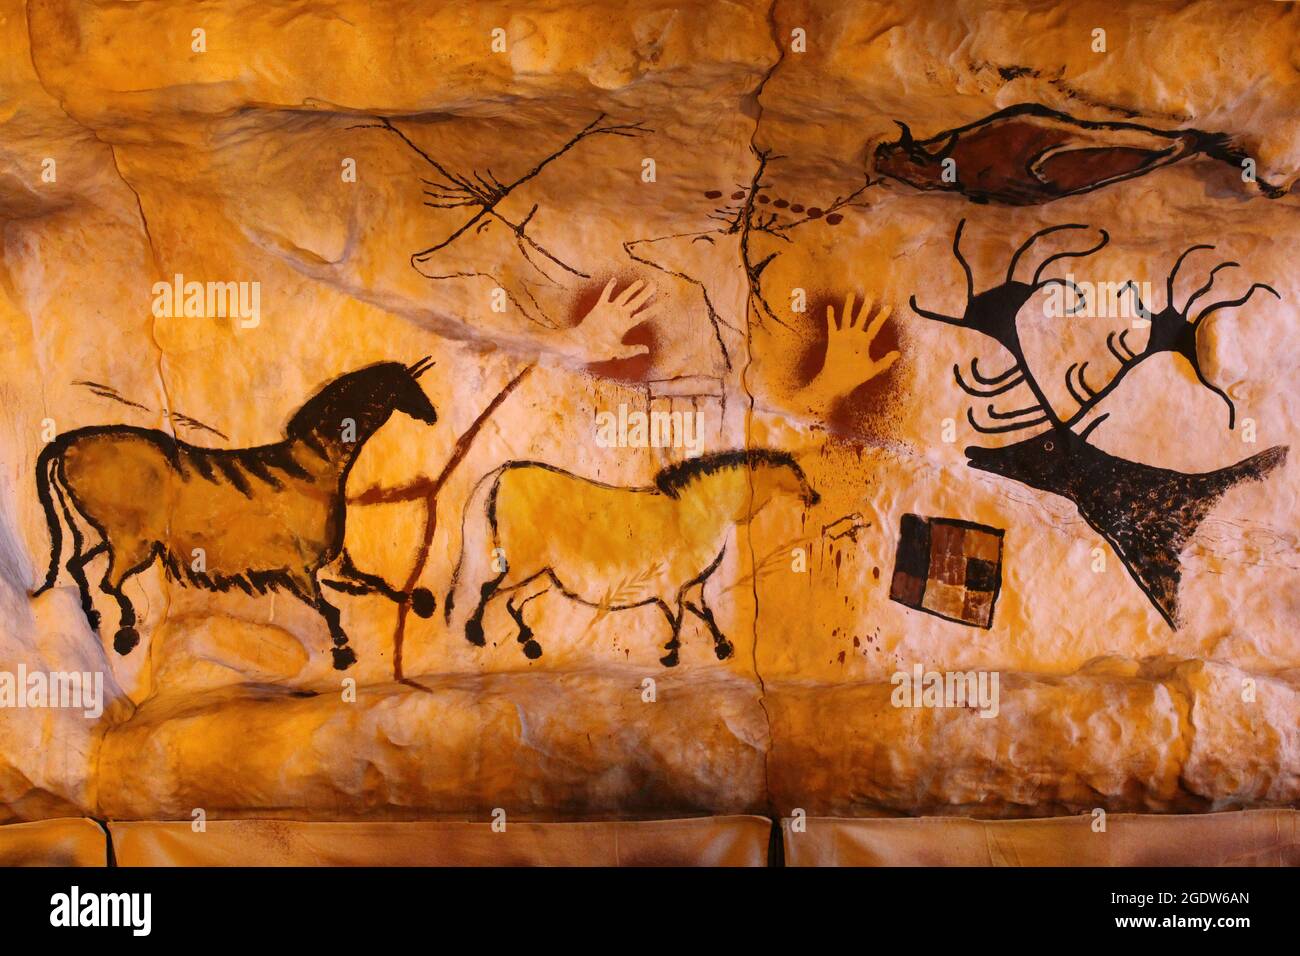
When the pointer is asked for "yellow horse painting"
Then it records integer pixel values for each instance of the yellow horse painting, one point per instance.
(530, 527)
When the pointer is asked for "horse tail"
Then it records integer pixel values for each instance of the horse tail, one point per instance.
(465, 576)
(47, 464)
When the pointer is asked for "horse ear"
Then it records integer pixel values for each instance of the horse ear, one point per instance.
(420, 367)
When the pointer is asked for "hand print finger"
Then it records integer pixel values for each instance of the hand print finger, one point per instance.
(644, 297)
(873, 329)
(651, 311)
(832, 323)
(886, 363)
(850, 320)
(628, 293)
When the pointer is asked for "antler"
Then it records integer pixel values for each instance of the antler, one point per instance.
(1002, 383)
(1128, 360)
(1043, 419)
(1024, 247)
(1171, 331)
(993, 313)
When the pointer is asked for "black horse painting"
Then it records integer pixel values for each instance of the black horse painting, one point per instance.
(263, 518)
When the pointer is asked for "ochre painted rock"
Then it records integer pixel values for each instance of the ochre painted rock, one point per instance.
(587, 412)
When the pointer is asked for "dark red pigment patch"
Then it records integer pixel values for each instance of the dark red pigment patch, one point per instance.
(635, 369)
(797, 209)
(870, 411)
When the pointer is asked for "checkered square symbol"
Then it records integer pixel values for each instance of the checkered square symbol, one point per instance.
(948, 567)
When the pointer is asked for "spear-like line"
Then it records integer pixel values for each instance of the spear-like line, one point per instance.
(488, 196)
(429, 490)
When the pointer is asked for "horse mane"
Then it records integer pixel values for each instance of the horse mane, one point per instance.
(348, 396)
(673, 478)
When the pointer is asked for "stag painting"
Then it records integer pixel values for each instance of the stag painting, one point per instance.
(530, 527)
(1147, 514)
(258, 519)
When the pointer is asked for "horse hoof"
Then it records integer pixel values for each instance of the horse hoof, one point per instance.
(525, 635)
(669, 659)
(344, 657)
(125, 639)
(532, 650)
(474, 632)
(723, 649)
(422, 602)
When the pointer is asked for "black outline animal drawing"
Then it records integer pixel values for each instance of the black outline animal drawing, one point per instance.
(607, 546)
(481, 195)
(1147, 514)
(265, 518)
(1029, 153)
(1173, 331)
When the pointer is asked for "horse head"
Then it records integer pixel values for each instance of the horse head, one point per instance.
(772, 475)
(776, 473)
(409, 398)
(355, 405)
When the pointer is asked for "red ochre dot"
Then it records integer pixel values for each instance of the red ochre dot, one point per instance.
(739, 194)
(796, 208)
(713, 194)
(763, 199)
(781, 204)
(814, 213)
(834, 219)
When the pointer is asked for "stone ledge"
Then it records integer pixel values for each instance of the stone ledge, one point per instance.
(1161, 736)
(702, 841)
(543, 747)
(1245, 838)
(64, 842)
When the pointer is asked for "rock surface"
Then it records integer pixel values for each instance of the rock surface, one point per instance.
(387, 181)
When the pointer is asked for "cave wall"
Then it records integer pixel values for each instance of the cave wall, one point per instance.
(744, 215)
